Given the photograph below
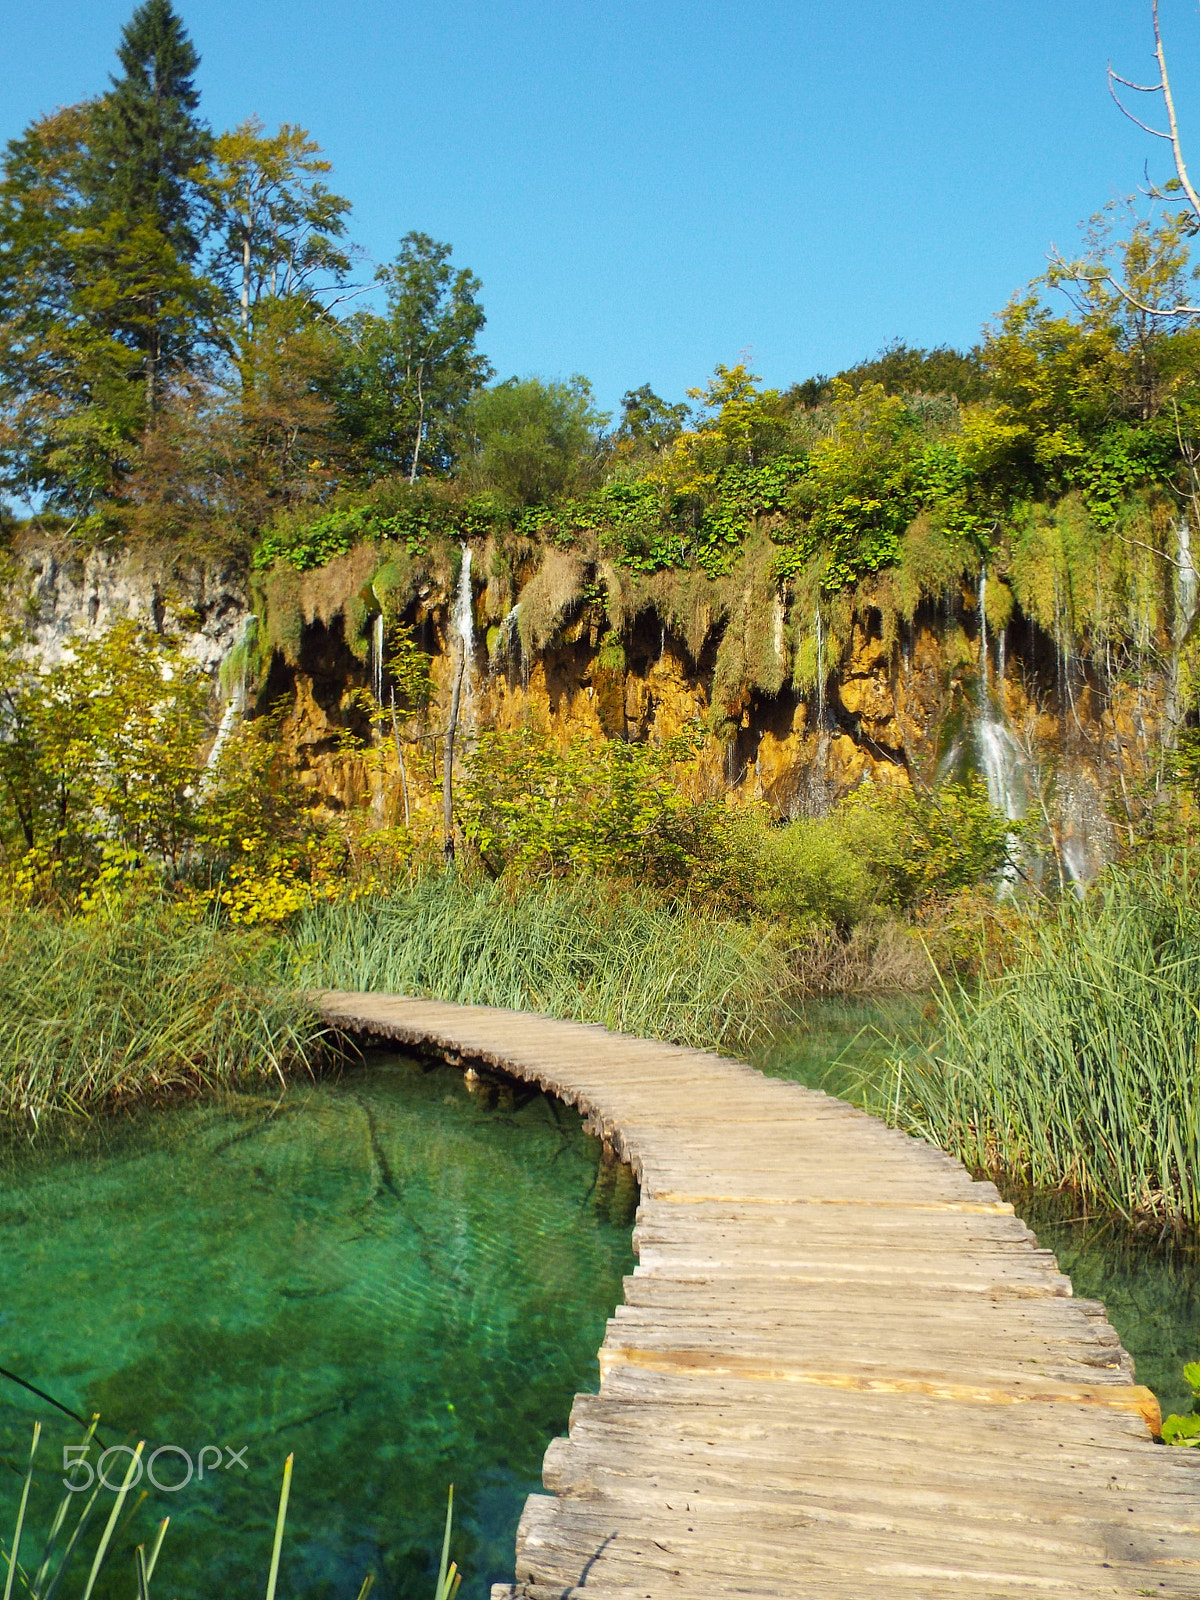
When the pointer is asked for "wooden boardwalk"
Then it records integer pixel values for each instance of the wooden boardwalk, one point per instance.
(843, 1369)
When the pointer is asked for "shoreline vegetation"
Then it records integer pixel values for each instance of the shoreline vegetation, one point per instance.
(1064, 1061)
(1076, 1067)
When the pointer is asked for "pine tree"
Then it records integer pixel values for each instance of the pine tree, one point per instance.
(148, 140)
(147, 148)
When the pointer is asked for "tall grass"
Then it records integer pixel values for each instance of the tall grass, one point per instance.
(632, 964)
(102, 1010)
(1079, 1067)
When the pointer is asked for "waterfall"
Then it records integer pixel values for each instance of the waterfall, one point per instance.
(462, 630)
(1004, 773)
(235, 705)
(505, 635)
(983, 648)
(1003, 768)
(1187, 579)
(820, 671)
(377, 658)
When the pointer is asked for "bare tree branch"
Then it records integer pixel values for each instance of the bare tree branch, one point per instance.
(1172, 122)
(1142, 88)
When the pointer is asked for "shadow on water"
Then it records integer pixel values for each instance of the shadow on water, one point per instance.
(1151, 1289)
(400, 1277)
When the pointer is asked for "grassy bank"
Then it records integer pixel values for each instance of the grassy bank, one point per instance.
(102, 1010)
(569, 951)
(1079, 1067)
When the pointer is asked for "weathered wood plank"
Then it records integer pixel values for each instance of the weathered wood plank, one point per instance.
(842, 1368)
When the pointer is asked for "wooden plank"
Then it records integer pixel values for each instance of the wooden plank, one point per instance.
(843, 1368)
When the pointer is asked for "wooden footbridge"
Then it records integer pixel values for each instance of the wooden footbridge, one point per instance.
(842, 1370)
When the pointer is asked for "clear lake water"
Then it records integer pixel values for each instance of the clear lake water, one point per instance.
(401, 1279)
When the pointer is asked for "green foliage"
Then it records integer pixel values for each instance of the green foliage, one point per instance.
(925, 844)
(410, 669)
(308, 544)
(283, 226)
(860, 491)
(413, 516)
(134, 1003)
(1076, 1067)
(408, 375)
(648, 421)
(101, 762)
(902, 369)
(532, 807)
(628, 963)
(532, 441)
(1185, 1430)
(148, 142)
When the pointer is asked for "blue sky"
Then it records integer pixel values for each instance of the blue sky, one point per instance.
(648, 188)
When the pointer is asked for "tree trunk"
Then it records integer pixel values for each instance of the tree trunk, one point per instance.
(448, 755)
(400, 759)
(412, 477)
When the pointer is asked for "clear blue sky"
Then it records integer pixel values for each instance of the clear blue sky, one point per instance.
(648, 188)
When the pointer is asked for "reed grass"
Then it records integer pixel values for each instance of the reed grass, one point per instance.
(629, 963)
(1079, 1067)
(105, 1010)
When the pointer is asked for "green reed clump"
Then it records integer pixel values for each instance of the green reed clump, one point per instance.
(1079, 1066)
(134, 1005)
(629, 963)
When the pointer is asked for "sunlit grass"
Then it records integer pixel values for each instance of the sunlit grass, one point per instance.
(1079, 1067)
(101, 1011)
(629, 963)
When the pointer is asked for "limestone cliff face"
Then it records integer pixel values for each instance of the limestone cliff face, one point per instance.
(63, 592)
(927, 702)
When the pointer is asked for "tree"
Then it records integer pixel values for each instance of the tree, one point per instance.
(101, 301)
(53, 365)
(647, 419)
(281, 224)
(1155, 290)
(146, 147)
(535, 440)
(410, 373)
(101, 753)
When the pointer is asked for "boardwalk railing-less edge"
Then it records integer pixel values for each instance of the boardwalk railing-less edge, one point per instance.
(843, 1369)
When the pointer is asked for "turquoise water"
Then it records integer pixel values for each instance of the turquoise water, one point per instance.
(1150, 1288)
(399, 1280)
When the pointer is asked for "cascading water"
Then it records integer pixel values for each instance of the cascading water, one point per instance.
(506, 634)
(985, 692)
(235, 705)
(999, 754)
(1187, 580)
(820, 671)
(377, 658)
(462, 631)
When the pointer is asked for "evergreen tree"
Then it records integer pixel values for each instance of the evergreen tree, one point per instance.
(146, 204)
(148, 141)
